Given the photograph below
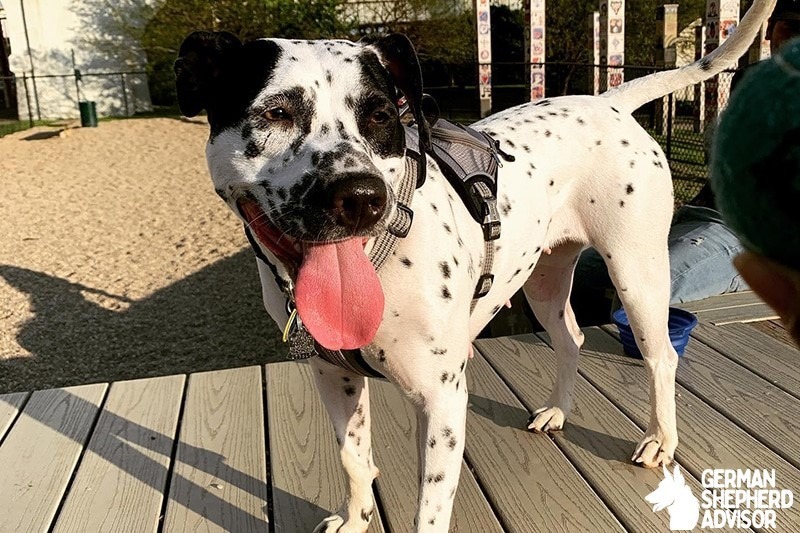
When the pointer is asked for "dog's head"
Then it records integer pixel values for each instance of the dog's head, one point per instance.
(306, 142)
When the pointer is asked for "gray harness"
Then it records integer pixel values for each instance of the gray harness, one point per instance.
(469, 159)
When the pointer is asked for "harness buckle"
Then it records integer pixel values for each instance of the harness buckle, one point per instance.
(484, 286)
(401, 225)
(491, 219)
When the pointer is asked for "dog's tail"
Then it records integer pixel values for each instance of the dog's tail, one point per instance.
(638, 92)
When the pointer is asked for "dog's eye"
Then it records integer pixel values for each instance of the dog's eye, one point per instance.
(380, 117)
(277, 114)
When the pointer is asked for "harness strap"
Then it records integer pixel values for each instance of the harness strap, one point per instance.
(403, 218)
(491, 232)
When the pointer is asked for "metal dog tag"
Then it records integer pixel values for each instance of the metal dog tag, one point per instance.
(301, 344)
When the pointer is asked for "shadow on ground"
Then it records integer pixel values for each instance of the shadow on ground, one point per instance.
(209, 320)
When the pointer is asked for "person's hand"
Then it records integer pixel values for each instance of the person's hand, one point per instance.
(778, 285)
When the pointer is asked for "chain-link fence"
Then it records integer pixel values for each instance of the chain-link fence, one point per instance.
(26, 101)
(681, 122)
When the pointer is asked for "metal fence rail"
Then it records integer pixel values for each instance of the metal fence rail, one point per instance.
(26, 101)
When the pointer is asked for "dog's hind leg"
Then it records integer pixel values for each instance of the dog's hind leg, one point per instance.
(643, 285)
(346, 397)
(547, 291)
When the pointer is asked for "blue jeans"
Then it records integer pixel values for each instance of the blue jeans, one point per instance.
(701, 249)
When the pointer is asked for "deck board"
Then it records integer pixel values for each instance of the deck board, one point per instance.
(395, 448)
(10, 405)
(308, 482)
(204, 452)
(120, 483)
(774, 329)
(520, 471)
(597, 437)
(707, 438)
(757, 351)
(722, 301)
(219, 479)
(40, 453)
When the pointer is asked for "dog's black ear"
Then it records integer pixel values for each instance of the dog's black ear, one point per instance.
(400, 59)
(199, 64)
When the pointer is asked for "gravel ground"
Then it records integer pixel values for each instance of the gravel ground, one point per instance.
(118, 261)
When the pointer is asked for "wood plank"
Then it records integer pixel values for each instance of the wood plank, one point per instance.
(757, 351)
(597, 438)
(707, 438)
(219, 479)
(120, 483)
(768, 413)
(530, 483)
(733, 315)
(775, 330)
(39, 454)
(395, 447)
(10, 404)
(722, 301)
(308, 483)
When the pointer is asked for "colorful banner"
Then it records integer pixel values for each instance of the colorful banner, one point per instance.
(612, 42)
(537, 49)
(484, 55)
(595, 24)
(722, 17)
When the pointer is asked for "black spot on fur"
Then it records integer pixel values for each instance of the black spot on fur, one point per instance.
(608, 256)
(445, 268)
(591, 200)
(381, 356)
(446, 227)
(614, 109)
(446, 293)
(629, 188)
(443, 379)
(633, 163)
(451, 443)
(581, 121)
(624, 142)
(552, 182)
(561, 314)
(547, 133)
(622, 203)
(406, 262)
(350, 390)
(705, 64)
(432, 442)
(252, 149)
(345, 379)
(439, 351)
(328, 76)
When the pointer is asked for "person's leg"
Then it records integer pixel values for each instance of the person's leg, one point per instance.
(701, 256)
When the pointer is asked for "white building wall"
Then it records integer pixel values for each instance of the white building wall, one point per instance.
(54, 32)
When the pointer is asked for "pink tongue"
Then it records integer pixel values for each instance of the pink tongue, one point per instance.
(339, 297)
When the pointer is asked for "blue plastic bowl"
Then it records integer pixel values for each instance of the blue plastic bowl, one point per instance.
(680, 323)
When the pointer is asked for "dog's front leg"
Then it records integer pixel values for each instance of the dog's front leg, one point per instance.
(441, 421)
(346, 397)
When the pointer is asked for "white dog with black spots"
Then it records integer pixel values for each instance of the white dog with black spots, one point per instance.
(307, 148)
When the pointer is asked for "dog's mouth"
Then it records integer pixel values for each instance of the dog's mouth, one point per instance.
(337, 292)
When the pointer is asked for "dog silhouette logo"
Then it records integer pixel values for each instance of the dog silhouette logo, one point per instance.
(676, 497)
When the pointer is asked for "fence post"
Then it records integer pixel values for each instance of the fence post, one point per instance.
(27, 99)
(124, 94)
(669, 126)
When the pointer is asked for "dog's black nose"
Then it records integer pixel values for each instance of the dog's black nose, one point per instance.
(357, 201)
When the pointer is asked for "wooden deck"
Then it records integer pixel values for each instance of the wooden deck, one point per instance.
(251, 449)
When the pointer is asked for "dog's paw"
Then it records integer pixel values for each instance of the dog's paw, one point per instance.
(546, 419)
(337, 524)
(653, 451)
